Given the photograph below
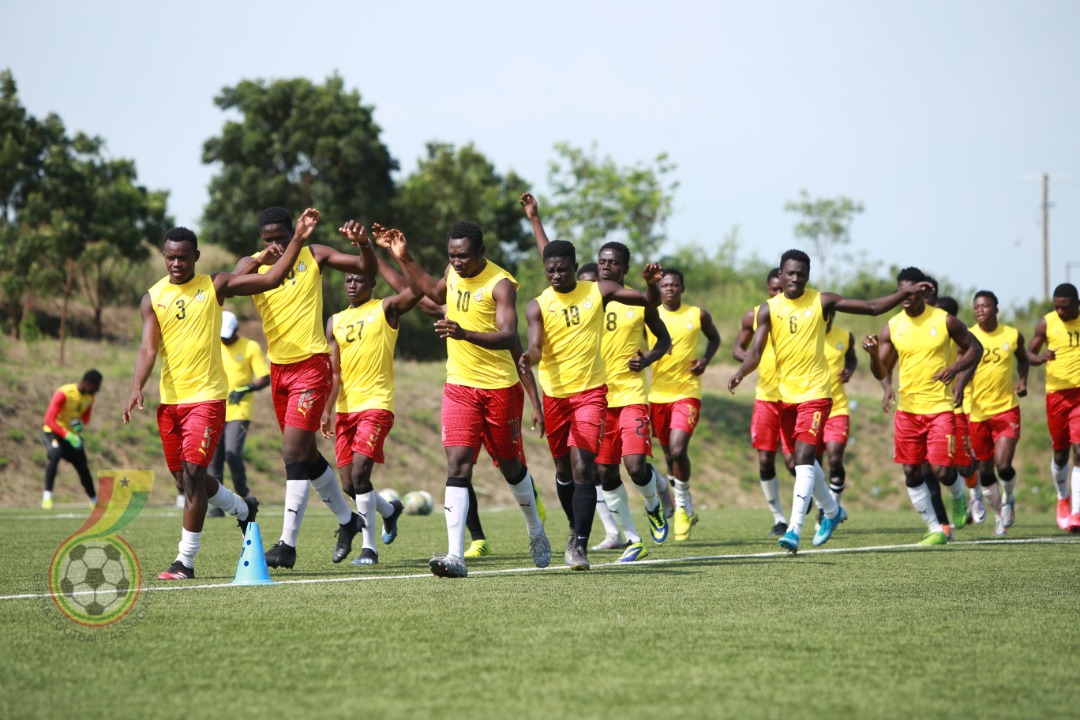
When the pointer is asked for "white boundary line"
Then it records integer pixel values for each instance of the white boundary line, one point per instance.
(563, 568)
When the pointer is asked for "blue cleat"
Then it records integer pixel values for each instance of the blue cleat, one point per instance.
(389, 526)
(827, 526)
(789, 541)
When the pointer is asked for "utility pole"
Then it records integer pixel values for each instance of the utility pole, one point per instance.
(1046, 237)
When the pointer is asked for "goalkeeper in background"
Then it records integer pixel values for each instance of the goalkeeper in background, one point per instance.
(69, 410)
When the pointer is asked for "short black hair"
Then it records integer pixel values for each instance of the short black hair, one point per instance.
(182, 234)
(560, 248)
(468, 230)
(93, 377)
(1066, 290)
(773, 274)
(619, 248)
(588, 268)
(986, 294)
(913, 274)
(796, 255)
(949, 305)
(677, 273)
(275, 216)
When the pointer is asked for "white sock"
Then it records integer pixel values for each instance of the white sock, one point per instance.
(456, 502)
(47, 495)
(604, 513)
(771, 490)
(1075, 490)
(682, 496)
(619, 505)
(804, 490)
(956, 490)
(329, 490)
(1060, 473)
(366, 509)
(920, 498)
(1008, 490)
(229, 502)
(189, 545)
(296, 497)
(975, 493)
(649, 490)
(990, 495)
(526, 500)
(823, 495)
(382, 506)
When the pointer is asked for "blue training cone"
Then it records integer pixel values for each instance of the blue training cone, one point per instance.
(252, 570)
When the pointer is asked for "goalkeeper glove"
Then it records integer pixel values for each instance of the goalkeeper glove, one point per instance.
(238, 394)
(77, 425)
(74, 440)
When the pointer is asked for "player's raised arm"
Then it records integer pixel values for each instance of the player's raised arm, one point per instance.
(757, 346)
(363, 264)
(532, 214)
(613, 291)
(832, 301)
(400, 285)
(394, 242)
(231, 285)
(145, 356)
(505, 296)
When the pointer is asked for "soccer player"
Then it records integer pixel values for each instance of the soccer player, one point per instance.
(1059, 331)
(675, 393)
(362, 339)
(995, 408)
(626, 423)
(842, 360)
(68, 412)
(247, 372)
(765, 419)
(566, 325)
(918, 338)
(301, 378)
(483, 395)
(794, 322)
(181, 317)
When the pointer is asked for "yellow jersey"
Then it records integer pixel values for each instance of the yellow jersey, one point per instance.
(1063, 372)
(991, 390)
(837, 343)
(190, 320)
(366, 347)
(243, 362)
(75, 406)
(624, 329)
(797, 334)
(671, 376)
(923, 345)
(470, 302)
(570, 360)
(767, 388)
(292, 312)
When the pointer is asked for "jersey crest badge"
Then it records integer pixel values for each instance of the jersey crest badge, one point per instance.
(478, 295)
(301, 266)
(587, 304)
(200, 296)
(933, 332)
(630, 314)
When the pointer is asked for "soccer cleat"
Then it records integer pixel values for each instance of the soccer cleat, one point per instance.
(959, 511)
(447, 566)
(828, 526)
(540, 509)
(178, 571)
(610, 542)
(1008, 513)
(1064, 510)
(389, 525)
(579, 559)
(345, 535)
(820, 517)
(368, 556)
(569, 547)
(540, 549)
(934, 538)
(658, 525)
(253, 510)
(683, 524)
(633, 551)
(663, 489)
(947, 531)
(999, 527)
(778, 529)
(478, 548)
(789, 541)
(1074, 523)
(281, 555)
(977, 511)
(47, 504)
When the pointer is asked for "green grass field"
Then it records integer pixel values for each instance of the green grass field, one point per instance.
(720, 626)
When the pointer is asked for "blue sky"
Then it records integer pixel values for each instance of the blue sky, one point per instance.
(930, 113)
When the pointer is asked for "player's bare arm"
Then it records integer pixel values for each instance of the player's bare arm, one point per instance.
(532, 214)
(712, 344)
(968, 355)
(326, 425)
(1022, 365)
(851, 360)
(613, 291)
(231, 285)
(145, 356)
(877, 306)
(393, 241)
(505, 295)
(528, 381)
(1035, 357)
(757, 346)
(745, 336)
(663, 342)
(531, 356)
(364, 263)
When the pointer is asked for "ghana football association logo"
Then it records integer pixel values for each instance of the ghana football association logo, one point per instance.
(95, 576)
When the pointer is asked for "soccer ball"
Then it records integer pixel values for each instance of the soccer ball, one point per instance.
(419, 502)
(94, 578)
(389, 495)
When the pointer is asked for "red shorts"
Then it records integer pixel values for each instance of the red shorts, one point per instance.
(471, 416)
(1063, 417)
(837, 429)
(576, 421)
(626, 432)
(924, 438)
(362, 433)
(985, 433)
(765, 426)
(491, 453)
(961, 456)
(803, 422)
(300, 390)
(190, 432)
(679, 415)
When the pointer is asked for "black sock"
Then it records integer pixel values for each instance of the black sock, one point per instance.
(566, 499)
(584, 512)
(472, 518)
(935, 498)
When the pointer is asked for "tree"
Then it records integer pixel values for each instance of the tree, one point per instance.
(594, 200)
(448, 185)
(296, 145)
(826, 223)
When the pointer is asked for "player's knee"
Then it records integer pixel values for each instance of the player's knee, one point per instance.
(1007, 473)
